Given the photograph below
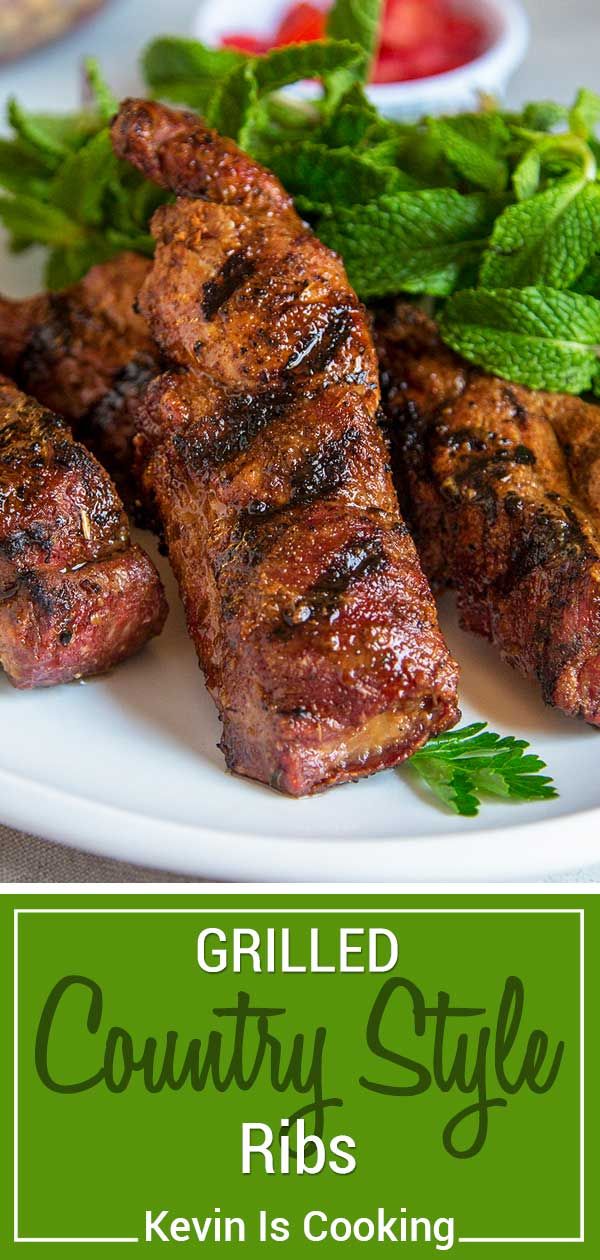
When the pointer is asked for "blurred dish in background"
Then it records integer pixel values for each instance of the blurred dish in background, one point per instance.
(418, 37)
(25, 24)
(435, 56)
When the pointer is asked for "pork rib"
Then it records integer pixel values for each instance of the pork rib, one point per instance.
(502, 486)
(261, 450)
(75, 596)
(86, 353)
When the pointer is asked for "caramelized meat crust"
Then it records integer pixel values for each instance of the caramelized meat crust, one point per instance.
(261, 450)
(502, 486)
(75, 596)
(86, 353)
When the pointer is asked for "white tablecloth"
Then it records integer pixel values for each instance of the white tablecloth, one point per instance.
(563, 56)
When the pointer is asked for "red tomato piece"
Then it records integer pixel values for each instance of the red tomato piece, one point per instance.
(465, 36)
(245, 43)
(409, 23)
(301, 24)
(389, 68)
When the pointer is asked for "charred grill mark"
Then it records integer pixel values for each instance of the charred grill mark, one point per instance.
(251, 539)
(235, 270)
(47, 342)
(457, 440)
(322, 599)
(514, 504)
(490, 454)
(39, 593)
(319, 348)
(320, 474)
(523, 455)
(128, 382)
(325, 470)
(74, 458)
(481, 465)
(548, 539)
(37, 535)
(244, 416)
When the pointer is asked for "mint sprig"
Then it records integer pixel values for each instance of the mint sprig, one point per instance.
(67, 191)
(494, 215)
(545, 239)
(465, 765)
(541, 337)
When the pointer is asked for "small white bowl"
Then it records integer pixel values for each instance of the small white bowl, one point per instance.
(440, 94)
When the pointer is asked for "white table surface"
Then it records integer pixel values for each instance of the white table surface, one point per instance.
(564, 54)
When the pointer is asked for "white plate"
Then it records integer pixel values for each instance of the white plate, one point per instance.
(127, 766)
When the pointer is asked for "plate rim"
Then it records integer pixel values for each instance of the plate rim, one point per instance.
(446, 857)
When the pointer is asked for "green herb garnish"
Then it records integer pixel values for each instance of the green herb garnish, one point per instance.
(546, 338)
(68, 191)
(495, 216)
(463, 765)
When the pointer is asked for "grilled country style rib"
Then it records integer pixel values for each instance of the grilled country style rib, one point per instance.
(502, 485)
(261, 449)
(86, 353)
(75, 596)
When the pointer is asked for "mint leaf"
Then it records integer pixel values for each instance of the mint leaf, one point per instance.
(80, 184)
(132, 200)
(548, 239)
(325, 178)
(589, 281)
(543, 115)
(66, 265)
(475, 145)
(412, 241)
(184, 70)
(32, 220)
(20, 172)
(234, 108)
(385, 153)
(359, 22)
(234, 102)
(541, 337)
(527, 173)
(352, 121)
(50, 137)
(316, 60)
(463, 765)
(104, 101)
(420, 154)
(585, 114)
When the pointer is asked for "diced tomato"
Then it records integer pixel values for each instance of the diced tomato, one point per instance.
(301, 24)
(390, 67)
(418, 63)
(246, 43)
(465, 37)
(408, 23)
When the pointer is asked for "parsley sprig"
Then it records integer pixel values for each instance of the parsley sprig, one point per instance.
(463, 765)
